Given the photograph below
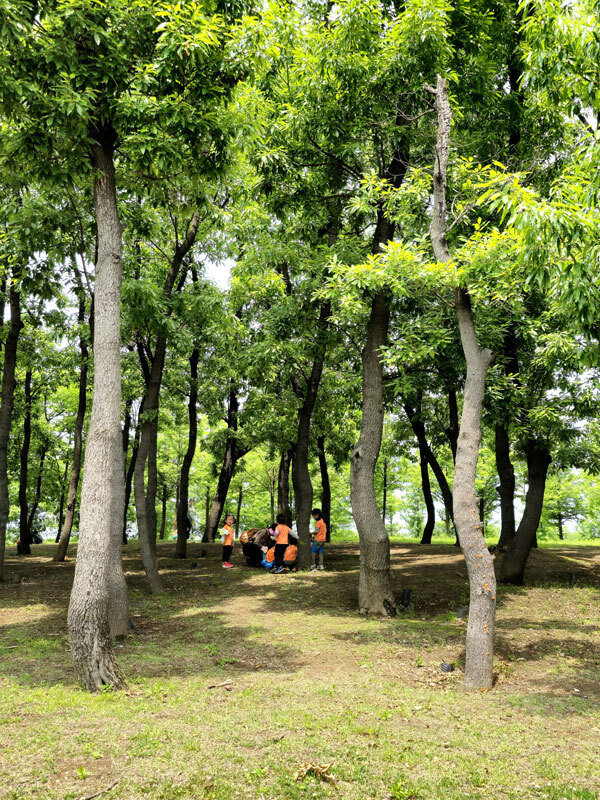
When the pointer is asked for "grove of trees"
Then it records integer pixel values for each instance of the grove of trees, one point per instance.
(406, 196)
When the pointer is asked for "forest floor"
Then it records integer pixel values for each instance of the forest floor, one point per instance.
(321, 703)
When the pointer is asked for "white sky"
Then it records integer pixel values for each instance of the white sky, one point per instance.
(219, 272)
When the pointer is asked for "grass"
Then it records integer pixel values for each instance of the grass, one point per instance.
(323, 703)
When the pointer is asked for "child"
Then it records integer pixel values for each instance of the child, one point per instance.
(227, 534)
(281, 542)
(290, 556)
(320, 537)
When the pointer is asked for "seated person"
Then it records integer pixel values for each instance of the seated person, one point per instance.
(290, 556)
(269, 560)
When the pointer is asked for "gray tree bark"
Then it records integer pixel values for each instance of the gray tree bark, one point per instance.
(24, 530)
(480, 564)
(6, 407)
(98, 605)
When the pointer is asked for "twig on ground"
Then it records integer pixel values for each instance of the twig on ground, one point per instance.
(218, 685)
(102, 791)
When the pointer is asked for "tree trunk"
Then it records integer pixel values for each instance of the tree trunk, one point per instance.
(517, 552)
(239, 509)
(77, 440)
(232, 456)
(129, 478)
(283, 486)
(418, 427)
(61, 508)
(480, 564)
(184, 478)
(325, 486)
(206, 514)
(145, 493)
(98, 605)
(38, 491)
(375, 595)
(559, 521)
(427, 496)
(506, 487)
(24, 531)
(303, 489)
(6, 407)
(384, 499)
(163, 510)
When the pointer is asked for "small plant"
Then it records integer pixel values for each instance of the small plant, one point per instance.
(81, 772)
(404, 790)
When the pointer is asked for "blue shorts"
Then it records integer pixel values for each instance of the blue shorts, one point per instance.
(317, 547)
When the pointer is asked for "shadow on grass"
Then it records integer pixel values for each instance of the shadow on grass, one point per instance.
(187, 631)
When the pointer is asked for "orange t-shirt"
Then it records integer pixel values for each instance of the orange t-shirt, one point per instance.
(227, 537)
(291, 554)
(283, 533)
(270, 555)
(321, 534)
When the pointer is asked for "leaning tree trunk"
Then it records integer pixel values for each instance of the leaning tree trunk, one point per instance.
(232, 455)
(24, 531)
(325, 485)
(6, 407)
(427, 496)
(163, 510)
(480, 564)
(283, 485)
(303, 489)
(98, 605)
(506, 487)
(517, 552)
(375, 594)
(77, 440)
(184, 478)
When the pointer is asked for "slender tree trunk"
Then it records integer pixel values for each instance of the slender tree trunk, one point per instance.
(384, 500)
(325, 485)
(559, 521)
(77, 439)
(427, 496)
(129, 478)
(6, 407)
(163, 513)
(61, 508)
(506, 487)
(206, 538)
(480, 564)
(38, 491)
(303, 489)
(239, 508)
(184, 477)
(517, 551)
(98, 605)
(24, 532)
(283, 486)
(418, 427)
(145, 493)
(232, 456)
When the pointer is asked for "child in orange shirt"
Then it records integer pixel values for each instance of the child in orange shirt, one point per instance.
(318, 542)
(227, 534)
(281, 542)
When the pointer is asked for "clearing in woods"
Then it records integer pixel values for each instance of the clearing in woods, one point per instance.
(308, 699)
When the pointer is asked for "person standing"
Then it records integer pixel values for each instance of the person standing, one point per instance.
(319, 539)
(227, 534)
(281, 542)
